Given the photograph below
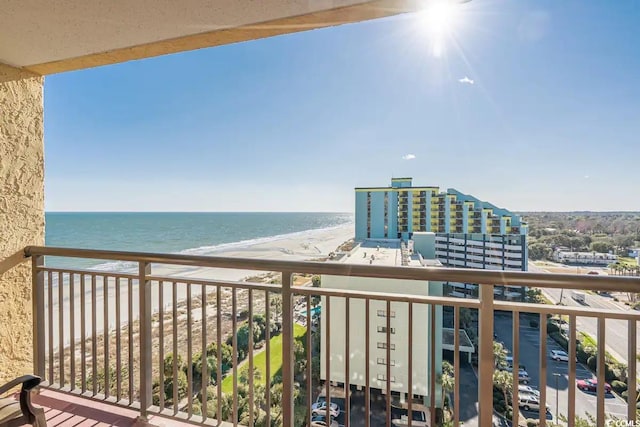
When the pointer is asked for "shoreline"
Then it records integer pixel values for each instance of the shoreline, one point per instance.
(313, 245)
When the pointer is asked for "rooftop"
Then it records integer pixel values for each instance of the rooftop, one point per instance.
(376, 252)
(386, 252)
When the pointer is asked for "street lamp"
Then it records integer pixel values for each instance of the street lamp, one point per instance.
(557, 376)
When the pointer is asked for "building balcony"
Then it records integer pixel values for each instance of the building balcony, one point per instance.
(107, 340)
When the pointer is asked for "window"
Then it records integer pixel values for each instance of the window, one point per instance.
(383, 345)
(383, 329)
(383, 377)
(383, 361)
(383, 313)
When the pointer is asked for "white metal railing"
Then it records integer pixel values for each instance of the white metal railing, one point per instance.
(107, 334)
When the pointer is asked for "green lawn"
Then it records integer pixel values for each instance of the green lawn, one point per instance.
(260, 360)
(629, 262)
(588, 340)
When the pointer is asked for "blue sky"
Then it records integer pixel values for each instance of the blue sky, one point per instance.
(294, 123)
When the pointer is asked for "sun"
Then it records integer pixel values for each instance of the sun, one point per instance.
(440, 17)
(439, 21)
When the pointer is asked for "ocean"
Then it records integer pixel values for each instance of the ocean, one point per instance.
(173, 232)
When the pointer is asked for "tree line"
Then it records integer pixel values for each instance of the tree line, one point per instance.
(605, 232)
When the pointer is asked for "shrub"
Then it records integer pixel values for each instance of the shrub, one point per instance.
(582, 355)
(168, 365)
(182, 388)
(618, 386)
(197, 408)
(532, 423)
(226, 352)
(212, 367)
(592, 363)
(610, 374)
(533, 323)
(560, 339)
(552, 327)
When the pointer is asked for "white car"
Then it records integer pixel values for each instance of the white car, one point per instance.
(529, 403)
(559, 355)
(526, 389)
(321, 421)
(320, 408)
(419, 420)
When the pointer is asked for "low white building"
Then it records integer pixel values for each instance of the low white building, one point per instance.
(588, 258)
(387, 253)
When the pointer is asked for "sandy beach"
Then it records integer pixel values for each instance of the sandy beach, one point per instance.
(310, 245)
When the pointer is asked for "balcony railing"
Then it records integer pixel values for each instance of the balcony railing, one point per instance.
(107, 334)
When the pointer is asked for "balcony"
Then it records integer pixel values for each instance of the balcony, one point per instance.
(151, 315)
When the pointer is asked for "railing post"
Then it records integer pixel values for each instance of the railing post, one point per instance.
(144, 288)
(37, 301)
(485, 359)
(287, 350)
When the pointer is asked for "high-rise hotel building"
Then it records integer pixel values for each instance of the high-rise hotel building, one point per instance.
(469, 232)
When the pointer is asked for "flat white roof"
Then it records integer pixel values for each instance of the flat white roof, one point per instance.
(386, 252)
(376, 252)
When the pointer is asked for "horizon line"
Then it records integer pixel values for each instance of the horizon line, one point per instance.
(327, 212)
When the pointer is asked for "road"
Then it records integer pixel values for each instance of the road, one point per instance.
(616, 331)
(529, 357)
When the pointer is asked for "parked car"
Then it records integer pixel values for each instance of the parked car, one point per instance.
(591, 384)
(509, 361)
(320, 408)
(321, 421)
(527, 389)
(559, 355)
(529, 402)
(419, 419)
(523, 376)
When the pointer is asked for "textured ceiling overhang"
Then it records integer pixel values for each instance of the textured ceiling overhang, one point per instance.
(46, 37)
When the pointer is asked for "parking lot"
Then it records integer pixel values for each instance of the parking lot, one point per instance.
(357, 408)
(529, 357)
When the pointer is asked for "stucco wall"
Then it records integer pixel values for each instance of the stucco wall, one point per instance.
(21, 210)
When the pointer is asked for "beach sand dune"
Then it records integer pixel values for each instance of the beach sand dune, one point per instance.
(311, 245)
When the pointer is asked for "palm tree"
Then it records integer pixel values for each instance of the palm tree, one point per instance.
(613, 268)
(226, 404)
(499, 355)
(276, 304)
(447, 378)
(503, 381)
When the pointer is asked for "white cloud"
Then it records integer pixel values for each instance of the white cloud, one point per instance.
(466, 80)
(586, 177)
(408, 157)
